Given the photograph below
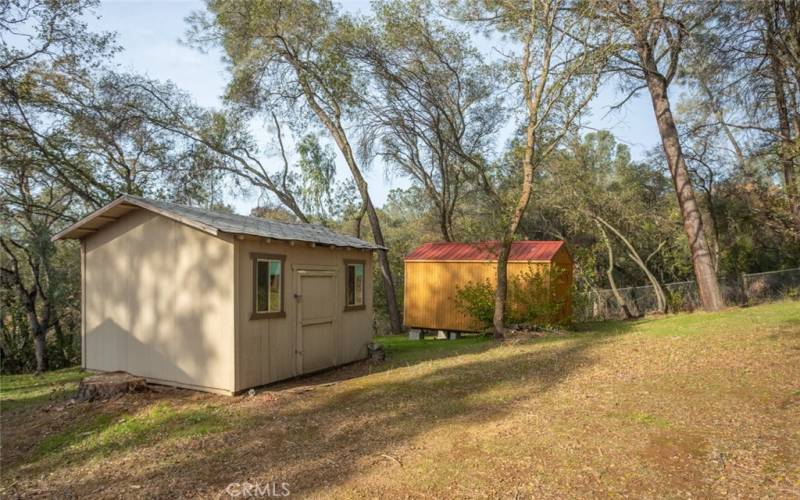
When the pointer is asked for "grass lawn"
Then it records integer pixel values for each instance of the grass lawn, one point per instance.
(691, 405)
(22, 390)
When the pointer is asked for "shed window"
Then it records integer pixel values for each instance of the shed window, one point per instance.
(267, 286)
(354, 285)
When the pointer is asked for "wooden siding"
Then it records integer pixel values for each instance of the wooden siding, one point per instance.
(430, 289)
(159, 302)
(266, 349)
(169, 302)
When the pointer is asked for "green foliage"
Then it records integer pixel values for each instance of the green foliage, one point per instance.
(477, 300)
(532, 299)
(677, 301)
(317, 165)
(104, 434)
(791, 292)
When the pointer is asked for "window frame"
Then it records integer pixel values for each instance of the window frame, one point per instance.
(267, 257)
(363, 305)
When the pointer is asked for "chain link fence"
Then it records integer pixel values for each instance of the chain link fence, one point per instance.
(750, 288)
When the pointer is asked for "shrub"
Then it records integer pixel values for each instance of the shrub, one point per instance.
(477, 300)
(676, 302)
(531, 299)
(791, 292)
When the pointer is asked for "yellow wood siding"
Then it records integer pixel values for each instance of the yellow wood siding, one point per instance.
(430, 289)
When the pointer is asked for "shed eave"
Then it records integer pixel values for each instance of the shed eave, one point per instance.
(123, 205)
(303, 240)
(79, 230)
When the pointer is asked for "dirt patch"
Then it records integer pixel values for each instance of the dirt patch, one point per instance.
(677, 455)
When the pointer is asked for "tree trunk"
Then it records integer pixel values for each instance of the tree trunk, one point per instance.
(358, 220)
(661, 297)
(785, 150)
(393, 310)
(444, 226)
(40, 344)
(334, 126)
(707, 283)
(395, 322)
(782, 110)
(610, 274)
(501, 292)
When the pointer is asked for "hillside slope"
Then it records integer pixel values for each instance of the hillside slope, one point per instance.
(701, 404)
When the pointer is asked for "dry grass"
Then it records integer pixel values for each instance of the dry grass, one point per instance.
(695, 405)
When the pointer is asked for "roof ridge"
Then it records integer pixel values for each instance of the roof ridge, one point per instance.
(487, 241)
(191, 207)
(212, 221)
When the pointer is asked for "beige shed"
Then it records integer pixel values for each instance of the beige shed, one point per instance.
(218, 302)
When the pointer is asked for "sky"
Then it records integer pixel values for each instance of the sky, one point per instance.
(150, 33)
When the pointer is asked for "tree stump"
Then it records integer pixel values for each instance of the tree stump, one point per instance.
(109, 385)
(375, 352)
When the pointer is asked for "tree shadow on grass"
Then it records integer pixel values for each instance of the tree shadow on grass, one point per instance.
(314, 442)
(403, 353)
(400, 352)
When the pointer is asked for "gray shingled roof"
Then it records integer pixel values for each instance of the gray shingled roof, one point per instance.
(240, 224)
(256, 226)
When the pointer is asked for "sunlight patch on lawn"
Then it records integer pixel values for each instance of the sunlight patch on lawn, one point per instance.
(18, 391)
(104, 434)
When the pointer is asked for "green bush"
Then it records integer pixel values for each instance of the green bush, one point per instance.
(477, 300)
(791, 292)
(530, 299)
(677, 301)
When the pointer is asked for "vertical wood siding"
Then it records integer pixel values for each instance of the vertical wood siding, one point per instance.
(159, 302)
(266, 348)
(431, 286)
(169, 302)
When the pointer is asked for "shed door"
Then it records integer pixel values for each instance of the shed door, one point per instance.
(317, 311)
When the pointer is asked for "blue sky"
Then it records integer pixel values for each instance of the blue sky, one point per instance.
(149, 32)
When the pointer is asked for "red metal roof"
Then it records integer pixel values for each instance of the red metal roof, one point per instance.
(486, 250)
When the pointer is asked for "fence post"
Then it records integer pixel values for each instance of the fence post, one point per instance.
(743, 284)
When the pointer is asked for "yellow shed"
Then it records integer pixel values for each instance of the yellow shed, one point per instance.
(218, 302)
(435, 271)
